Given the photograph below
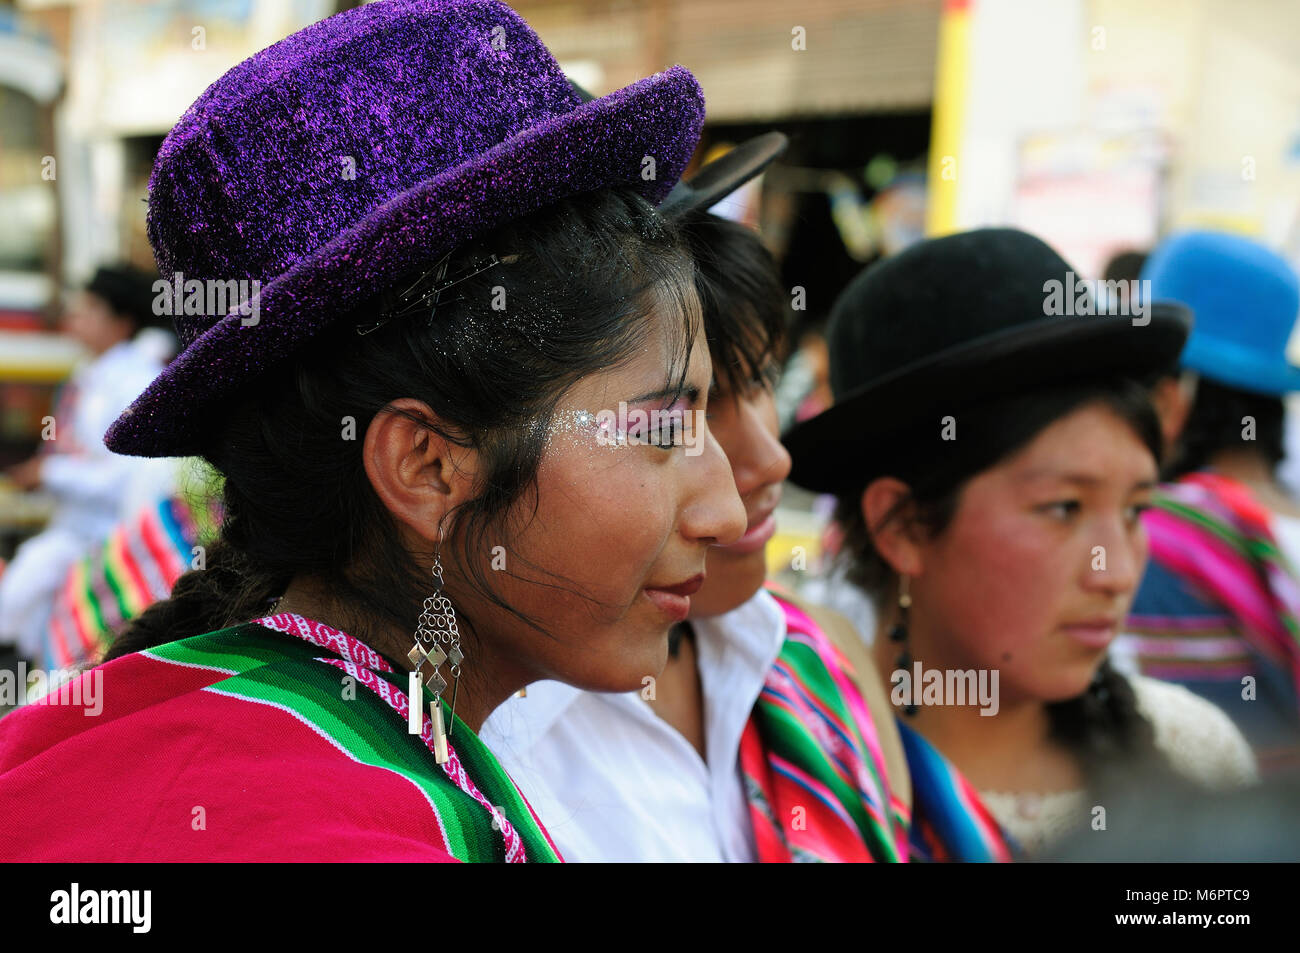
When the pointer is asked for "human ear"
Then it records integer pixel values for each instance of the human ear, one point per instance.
(1172, 400)
(418, 475)
(891, 527)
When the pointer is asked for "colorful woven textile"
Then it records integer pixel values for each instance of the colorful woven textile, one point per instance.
(949, 821)
(811, 760)
(1221, 602)
(135, 567)
(280, 739)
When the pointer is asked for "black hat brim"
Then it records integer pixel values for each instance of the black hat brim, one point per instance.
(719, 178)
(847, 446)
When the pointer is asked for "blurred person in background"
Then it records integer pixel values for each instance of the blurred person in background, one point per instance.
(1219, 608)
(113, 318)
(991, 461)
(804, 389)
(708, 763)
(134, 567)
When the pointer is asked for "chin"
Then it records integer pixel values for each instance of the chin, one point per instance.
(1070, 682)
(731, 581)
(642, 656)
(719, 603)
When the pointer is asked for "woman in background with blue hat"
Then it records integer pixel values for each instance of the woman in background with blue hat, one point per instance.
(1219, 608)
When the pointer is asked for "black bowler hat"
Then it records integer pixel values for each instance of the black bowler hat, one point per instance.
(952, 322)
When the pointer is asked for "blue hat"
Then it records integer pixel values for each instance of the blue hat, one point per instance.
(1244, 300)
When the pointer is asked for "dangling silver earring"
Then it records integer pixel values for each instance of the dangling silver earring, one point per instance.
(437, 628)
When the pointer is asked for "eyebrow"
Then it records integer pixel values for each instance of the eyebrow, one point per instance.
(1082, 479)
(671, 390)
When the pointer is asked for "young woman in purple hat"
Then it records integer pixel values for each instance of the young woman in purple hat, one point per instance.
(991, 461)
(460, 268)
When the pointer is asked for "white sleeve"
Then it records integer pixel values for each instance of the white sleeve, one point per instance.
(96, 478)
(96, 475)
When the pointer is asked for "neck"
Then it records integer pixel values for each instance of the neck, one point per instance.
(482, 684)
(990, 750)
(1253, 470)
(679, 695)
(109, 345)
(1245, 466)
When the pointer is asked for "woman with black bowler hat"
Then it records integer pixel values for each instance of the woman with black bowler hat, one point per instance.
(991, 462)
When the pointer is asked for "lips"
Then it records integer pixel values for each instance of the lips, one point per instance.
(1094, 633)
(675, 601)
(762, 527)
(687, 588)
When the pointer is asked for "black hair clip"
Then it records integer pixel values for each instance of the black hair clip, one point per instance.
(426, 291)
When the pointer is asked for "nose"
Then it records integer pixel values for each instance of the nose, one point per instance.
(758, 458)
(714, 513)
(1117, 560)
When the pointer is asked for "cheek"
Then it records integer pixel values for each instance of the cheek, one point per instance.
(1000, 583)
(602, 520)
(1141, 551)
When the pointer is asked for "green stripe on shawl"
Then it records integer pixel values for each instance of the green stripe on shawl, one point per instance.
(281, 670)
(790, 738)
(1254, 548)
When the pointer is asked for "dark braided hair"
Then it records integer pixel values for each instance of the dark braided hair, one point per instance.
(129, 293)
(1217, 422)
(1103, 725)
(578, 280)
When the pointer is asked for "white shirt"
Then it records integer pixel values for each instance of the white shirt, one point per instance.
(612, 781)
(1286, 530)
(88, 481)
(1288, 471)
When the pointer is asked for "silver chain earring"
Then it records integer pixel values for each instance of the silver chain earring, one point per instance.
(437, 640)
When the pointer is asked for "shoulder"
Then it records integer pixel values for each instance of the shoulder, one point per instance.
(1199, 739)
(850, 654)
(118, 696)
(227, 746)
(838, 636)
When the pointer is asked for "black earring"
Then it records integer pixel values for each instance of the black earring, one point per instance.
(899, 634)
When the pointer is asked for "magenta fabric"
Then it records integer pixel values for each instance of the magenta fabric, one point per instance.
(167, 746)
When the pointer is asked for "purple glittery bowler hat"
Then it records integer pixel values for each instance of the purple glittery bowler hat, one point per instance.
(332, 163)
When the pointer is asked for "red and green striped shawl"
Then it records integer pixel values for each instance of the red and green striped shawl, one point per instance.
(253, 744)
(811, 759)
(135, 567)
